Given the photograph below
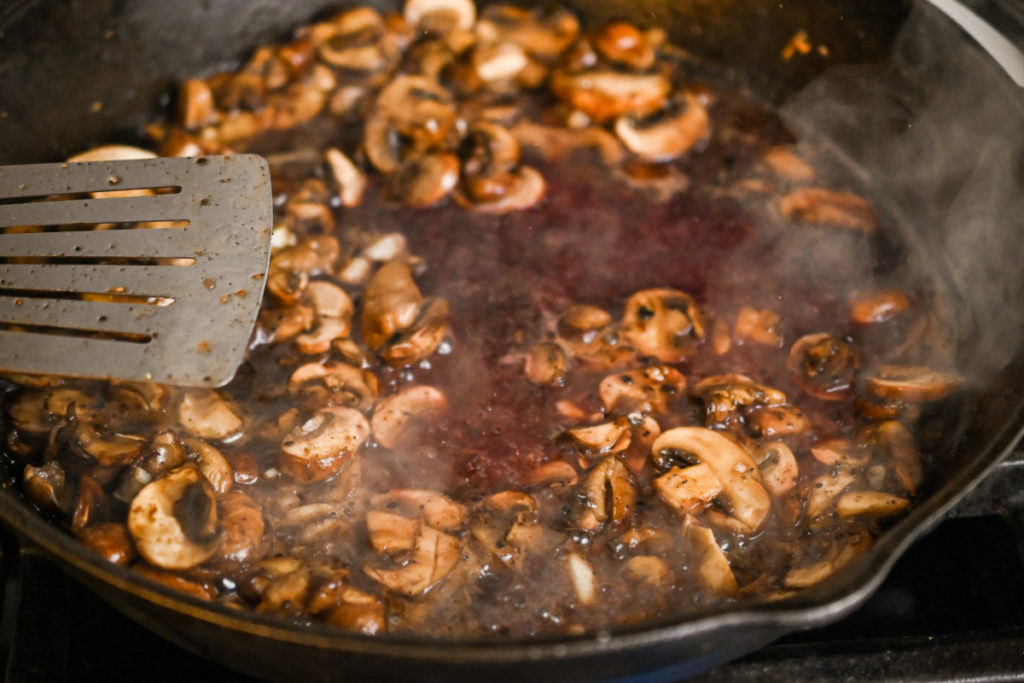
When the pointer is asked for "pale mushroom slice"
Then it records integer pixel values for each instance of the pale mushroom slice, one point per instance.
(352, 40)
(824, 490)
(913, 383)
(291, 268)
(749, 503)
(211, 462)
(340, 383)
(664, 323)
(779, 467)
(394, 415)
(669, 136)
(209, 415)
(713, 569)
(433, 508)
(581, 574)
(648, 569)
(350, 180)
(689, 489)
(322, 445)
(173, 520)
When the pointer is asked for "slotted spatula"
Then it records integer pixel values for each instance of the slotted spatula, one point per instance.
(173, 300)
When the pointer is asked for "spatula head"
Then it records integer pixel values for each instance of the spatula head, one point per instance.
(87, 291)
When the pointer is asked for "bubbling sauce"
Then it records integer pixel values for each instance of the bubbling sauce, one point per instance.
(524, 367)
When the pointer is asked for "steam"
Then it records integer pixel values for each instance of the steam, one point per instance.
(939, 128)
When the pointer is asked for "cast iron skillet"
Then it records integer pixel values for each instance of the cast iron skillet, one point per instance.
(79, 72)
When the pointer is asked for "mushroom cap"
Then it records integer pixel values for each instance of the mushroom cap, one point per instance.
(668, 138)
(320, 446)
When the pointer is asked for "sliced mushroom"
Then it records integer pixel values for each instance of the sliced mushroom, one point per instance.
(196, 107)
(625, 44)
(896, 442)
(556, 473)
(433, 555)
(291, 268)
(668, 136)
(582, 576)
(391, 533)
(581, 324)
(607, 437)
(778, 467)
(647, 569)
(110, 541)
(29, 414)
(546, 364)
(544, 35)
(841, 452)
(725, 395)
(320, 447)
(501, 193)
(773, 421)
(648, 390)
(393, 416)
(208, 415)
(787, 164)
(341, 384)
(440, 16)
(498, 62)
(824, 490)
(48, 487)
(360, 613)
(760, 327)
(212, 464)
(426, 180)
(333, 309)
(878, 306)
(241, 520)
(689, 490)
(412, 115)
(819, 206)
(103, 446)
(435, 509)
(609, 495)
(350, 180)
(603, 95)
(713, 567)
(805, 577)
(748, 501)
(913, 383)
(391, 303)
(197, 589)
(421, 339)
(352, 40)
(555, 143)
(825, 366)
(173, 520)
(664, 323)
(871, 503)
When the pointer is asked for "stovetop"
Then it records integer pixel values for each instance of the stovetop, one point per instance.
(951, 610)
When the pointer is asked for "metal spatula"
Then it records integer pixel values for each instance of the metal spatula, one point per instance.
(173, 300)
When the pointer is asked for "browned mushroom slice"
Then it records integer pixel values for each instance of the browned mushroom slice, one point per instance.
(105, 447)
(581, 574)
(241, 520)
(669, 135)
(546, 364)
(724, 395)
(772, 421)
(760, 327)
(690, 489)
(581, 324)
(787, 164)
(320, 447)
(913, 383)
(391, 533)
(748, 501)
(427, 180)
(110, 541)
(825, 366)
(604, 95)
(48, 487)
(351, 40)
(173, 520)
(432, 557)
(421, 339)
(342, 384)
(557, 473)
(28, 413)
(197, 589)
(625, 44)
(291, 268)
(713, 569)
(394, 415)
(878, 306)
(544, 35)
(896, 441)
(208, 415)
(819, 206)
(412, 114)
(609, 494)
(804, 577)
(607, 437)
(778, 467)
(516, 190)
(841, 451)
(555, 143)
(664, 323)
(391, 304)
(440, 15)
(871, 503)
(359, 612)
(61, 398)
